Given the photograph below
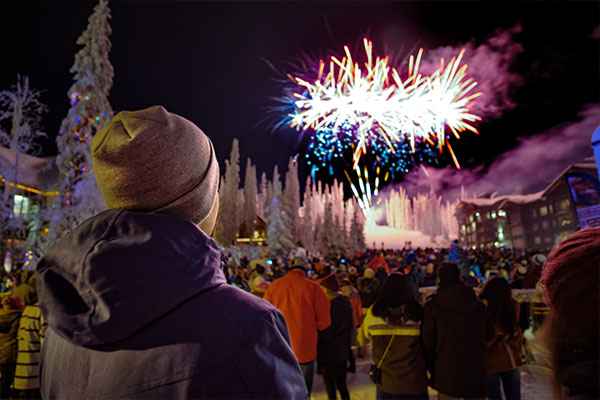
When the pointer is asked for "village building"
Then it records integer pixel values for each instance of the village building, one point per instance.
(533, 222)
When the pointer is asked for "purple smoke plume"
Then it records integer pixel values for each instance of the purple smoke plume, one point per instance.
(489, 64)
(528, 168)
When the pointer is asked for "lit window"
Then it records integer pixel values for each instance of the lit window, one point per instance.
(550, 208)
(493, 214)
(470, 218)
(545, 225)
(564, 204)
(487, 215)
(501, 213)
(547, 239)
(20, 205)
(543, 211)
(537, 240)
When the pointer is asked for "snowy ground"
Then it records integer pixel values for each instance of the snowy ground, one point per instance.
(393, 238)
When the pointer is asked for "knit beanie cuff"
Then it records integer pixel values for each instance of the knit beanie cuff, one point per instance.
(196, 204)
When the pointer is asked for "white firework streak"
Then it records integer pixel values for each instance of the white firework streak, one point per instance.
(378, 102)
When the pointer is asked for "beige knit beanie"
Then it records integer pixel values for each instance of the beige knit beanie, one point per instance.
(152, 160)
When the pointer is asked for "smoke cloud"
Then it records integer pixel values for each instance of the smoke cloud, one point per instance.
(528, 168)
(489, 64)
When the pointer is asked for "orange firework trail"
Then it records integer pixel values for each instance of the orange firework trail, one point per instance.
(374, 98)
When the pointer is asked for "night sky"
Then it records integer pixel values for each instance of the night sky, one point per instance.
(205, 60)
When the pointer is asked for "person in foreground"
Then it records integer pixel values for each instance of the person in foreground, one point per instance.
(392, 325)
(135, 297)
(570, 280)
(455, 328)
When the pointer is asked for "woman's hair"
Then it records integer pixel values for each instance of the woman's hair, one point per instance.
(394, 293)
(498, 296)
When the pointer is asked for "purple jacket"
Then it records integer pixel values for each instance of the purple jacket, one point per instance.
(138, 307)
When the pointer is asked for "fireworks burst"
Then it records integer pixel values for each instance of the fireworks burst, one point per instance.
(372, 111)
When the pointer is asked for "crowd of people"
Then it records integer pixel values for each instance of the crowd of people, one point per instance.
(140, 302)
(465, 340)
(379, 292)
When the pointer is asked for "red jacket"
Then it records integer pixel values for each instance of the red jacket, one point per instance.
(305, 308)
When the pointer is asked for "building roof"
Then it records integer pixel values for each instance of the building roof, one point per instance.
(525, 198)
(37, 173)
(513, 198)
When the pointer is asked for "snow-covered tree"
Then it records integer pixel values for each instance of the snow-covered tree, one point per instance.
(250, 195)
(79, 197)
(272, 187)
(357, 231)
(262, 195)
(228, 218)
(307, 230)
(21, 106)
(291, 199)
(218, 230)
(279, 237)
(339, 237)
(326, 238)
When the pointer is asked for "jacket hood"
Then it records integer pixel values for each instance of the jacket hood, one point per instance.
(457, 298)
(121, 270)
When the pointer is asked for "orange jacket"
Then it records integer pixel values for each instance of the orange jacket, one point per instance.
(305, 308)
(377, 261)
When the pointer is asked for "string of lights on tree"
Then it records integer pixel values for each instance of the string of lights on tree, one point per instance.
(83, 137)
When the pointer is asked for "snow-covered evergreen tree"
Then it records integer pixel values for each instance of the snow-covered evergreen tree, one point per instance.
(318, 225)
(357, 231)
(79, 197)
(250, 195)
(275, 182)
(218, 232)
(229, 199)
(326, 238)
(339, 237)
(307, 230)
(22, 106)
(262, 196)
(279, 237)
(291, 199)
